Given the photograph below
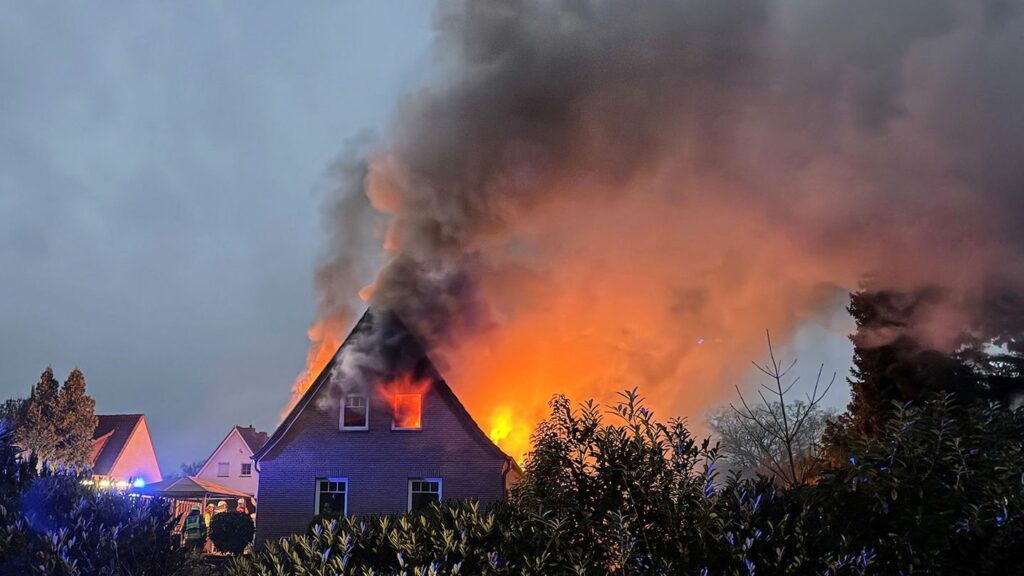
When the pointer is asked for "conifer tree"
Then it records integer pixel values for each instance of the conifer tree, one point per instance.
(76, 421)
(37, 433)
(890, 365)
(12, 411)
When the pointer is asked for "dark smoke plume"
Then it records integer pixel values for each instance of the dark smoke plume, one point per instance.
(595, 194)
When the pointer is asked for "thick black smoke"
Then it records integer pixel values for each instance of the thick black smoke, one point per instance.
(731, 164)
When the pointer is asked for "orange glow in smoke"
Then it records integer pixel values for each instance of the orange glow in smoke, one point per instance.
(615, 313)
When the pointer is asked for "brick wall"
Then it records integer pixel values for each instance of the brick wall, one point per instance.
(378, 462)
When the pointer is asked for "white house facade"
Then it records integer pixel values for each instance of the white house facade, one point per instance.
(231, 463)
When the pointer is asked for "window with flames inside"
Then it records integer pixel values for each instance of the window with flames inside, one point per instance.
(407, 412)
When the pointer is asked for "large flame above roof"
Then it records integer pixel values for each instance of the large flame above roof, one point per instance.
(592, 196)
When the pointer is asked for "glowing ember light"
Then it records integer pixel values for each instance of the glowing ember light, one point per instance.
(87, 482)
(501, 428)
(139, 483)
(510, 433)
(104, 483)
(121, 485)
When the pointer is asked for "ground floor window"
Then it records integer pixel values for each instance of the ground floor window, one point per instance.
(332, 496)
(423, 491)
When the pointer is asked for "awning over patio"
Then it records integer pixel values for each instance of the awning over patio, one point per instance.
(190, 488)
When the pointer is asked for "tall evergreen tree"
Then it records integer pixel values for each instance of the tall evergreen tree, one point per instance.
(891, 365)
(76, 421)
(37, 432)
(12, 411)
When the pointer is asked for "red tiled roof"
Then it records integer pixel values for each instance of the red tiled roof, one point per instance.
(255, 440)
(109, 439)
(98, 444)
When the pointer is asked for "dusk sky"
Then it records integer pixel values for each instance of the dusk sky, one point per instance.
(159, 173)
(545, 254)
(166, 172)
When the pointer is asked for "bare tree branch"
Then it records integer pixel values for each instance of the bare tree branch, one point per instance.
(779, 437)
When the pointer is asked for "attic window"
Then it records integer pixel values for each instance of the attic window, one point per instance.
(354, 413)
(407, 412)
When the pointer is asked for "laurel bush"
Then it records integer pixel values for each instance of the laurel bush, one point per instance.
(939, 492)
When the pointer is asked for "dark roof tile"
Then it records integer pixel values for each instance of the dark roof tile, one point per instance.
(255, 440)
(109, 439)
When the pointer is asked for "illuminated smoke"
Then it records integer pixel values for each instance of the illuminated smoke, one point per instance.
(596, 195)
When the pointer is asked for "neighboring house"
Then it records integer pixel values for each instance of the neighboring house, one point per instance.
(122, 451)
(231, 463)
(378, 432)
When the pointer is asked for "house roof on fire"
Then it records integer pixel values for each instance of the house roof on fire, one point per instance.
(110, 438)
(397, 332)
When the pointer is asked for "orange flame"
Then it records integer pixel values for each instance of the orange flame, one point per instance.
(405, 395)
(588, 328)
(324, 339)
(510, 433)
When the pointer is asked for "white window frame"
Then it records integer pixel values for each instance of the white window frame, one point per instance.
(394, 408)
(226, 467)
(241, 470)
(316, 498)
(366, 407)
(408, 506)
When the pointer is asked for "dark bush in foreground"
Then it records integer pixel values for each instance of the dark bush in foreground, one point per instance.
(51, 524)
(940, 492)
(455, 535)
(231, 531)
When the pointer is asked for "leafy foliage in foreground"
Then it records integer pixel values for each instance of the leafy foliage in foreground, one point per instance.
(50, 524)
(939, 491)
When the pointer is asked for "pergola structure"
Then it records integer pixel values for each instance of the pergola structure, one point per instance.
(187, 491)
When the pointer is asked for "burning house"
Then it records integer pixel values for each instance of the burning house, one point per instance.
(377, 432)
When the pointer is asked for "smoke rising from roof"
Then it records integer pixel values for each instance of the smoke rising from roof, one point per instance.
(587, 189)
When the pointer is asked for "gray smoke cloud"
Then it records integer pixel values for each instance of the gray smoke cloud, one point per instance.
(654, 183)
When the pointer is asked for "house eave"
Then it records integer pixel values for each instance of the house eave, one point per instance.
(293, 414)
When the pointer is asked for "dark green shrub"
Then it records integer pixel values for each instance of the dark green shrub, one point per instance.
(940, 492)
(52, 524)
(231, 531)
(459, 534)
